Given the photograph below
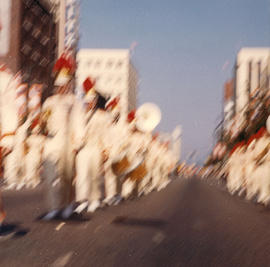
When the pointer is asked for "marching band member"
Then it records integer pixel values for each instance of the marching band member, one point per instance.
(33, 159)
(138, 144)
(250, 185)
(90, 159)
(82, 181)
(264, 195)
(88, 178)
(168, 164)
(34, 106)
(35, 141)
(19, 152)
(65, 123)
(125, 185)
(150, 160)
(261, 173)
(55, 111)
(116, 140)
(9, 124)
(235, 175)
(156, 171)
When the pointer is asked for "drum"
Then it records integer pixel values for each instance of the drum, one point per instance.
(138, 173)
(135, 170)
(120, 167)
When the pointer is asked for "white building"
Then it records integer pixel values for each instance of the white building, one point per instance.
(252, 70)
(113, 72)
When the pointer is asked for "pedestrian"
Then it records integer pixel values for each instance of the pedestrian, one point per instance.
(9, 124)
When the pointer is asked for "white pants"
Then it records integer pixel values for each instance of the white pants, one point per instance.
(110, 181)
(32, 165)
(156, 177)
(58, 188)
(128, 188)
(57, 172)
(88, 173)
(13, 164)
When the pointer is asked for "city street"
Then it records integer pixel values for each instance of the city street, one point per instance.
(190, 223)
(112, 97)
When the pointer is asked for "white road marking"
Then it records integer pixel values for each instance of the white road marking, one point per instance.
(158, 237)
(63, 260)
(59, 226)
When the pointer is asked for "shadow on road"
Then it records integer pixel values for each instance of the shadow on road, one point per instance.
(156, 223)
(12, 230)
(74, 218)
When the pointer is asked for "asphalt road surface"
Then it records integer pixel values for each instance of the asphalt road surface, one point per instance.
(190, 223)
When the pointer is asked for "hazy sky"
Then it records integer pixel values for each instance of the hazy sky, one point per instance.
(186, 50)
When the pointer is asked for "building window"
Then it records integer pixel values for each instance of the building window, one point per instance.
(98, 63)
(118, 80)
(45, 19)
(36, 10)
(35, 56)
(109, 64)
(70, 12)
(88, 64)
(36, 33)
(44, 62)
(26, 76)
(109, 80)
(44, 40)
(28, 3)
(27, 24)
(26, 49)
(119, 64)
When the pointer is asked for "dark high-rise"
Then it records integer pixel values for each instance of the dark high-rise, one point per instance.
(32, 44)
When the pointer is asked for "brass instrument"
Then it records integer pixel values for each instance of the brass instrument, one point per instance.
(135, 171)
(120, 168)
(138, 173)
(148, 117)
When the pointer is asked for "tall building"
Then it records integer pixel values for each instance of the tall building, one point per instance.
(252, 72)
(228, 104)
(113, 72)
(28, 36)
(67, 16)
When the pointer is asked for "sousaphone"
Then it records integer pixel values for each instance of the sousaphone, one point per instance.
(148, 117)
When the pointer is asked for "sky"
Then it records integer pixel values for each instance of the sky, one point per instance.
(185, 52)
